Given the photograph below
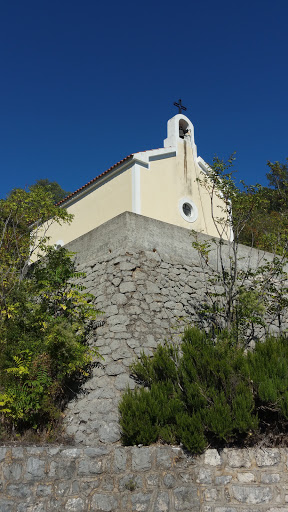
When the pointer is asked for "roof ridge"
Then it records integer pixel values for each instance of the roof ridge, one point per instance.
(96, 178)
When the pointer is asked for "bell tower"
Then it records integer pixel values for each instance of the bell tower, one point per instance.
(180, 129)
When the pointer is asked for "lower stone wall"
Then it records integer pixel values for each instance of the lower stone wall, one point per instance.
(143, 479)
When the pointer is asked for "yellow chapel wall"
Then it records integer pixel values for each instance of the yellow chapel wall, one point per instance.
(167, 182)
(111, 197)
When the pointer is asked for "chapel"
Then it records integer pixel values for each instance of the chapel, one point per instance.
(158, 183)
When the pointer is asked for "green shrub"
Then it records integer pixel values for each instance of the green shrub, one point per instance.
(42, 342)
(269, 372)
(208, 392)
(199, 393)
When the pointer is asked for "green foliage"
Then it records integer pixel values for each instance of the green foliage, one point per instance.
(43, 341)
(43, 315)
(214, 394)
(53, 188)
(212, 390)
(267, 228)
(243, 297)
(269, 372)
(22, 216)
(204, 394)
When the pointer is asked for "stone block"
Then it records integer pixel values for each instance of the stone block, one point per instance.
(212, 458)
(72, 453)
(35, 468)
(169, 480)
(62, 469)
(122, 353)
(12, 471)
(278, 509)
(186, 498)
(223, 479)
(17, 452)
(104, 503)
(141, 459)
(152, 480)
(111, 310)
(87, 486)
(114, 369)
(267, 456)
(88, 467)
(127, 287)
(7, 505)
(252, 495)
(3, 452)
(118, 319)
(164, 457)
(152, 287)
(38, 506)
(118, 328)
(211, 494)
(97, 451)
(120, 459)
(75, 505)
(162, 502)
(19, 490)
(225, 509)
(109, 432)
(118, 299)
(203, 476)
(238, 458)
(63, 488)
(44, 490)
(123, 381)
(140, 502)
(245, 478)
(130, 482)
(270, 478)
(185, 478)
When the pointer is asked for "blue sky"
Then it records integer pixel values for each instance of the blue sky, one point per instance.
(83, 84)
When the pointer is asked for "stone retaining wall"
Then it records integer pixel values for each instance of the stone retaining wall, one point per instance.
(147, 479)
(149, 282)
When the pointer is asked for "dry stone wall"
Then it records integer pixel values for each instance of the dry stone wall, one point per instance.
(148, 280)
(146, 479)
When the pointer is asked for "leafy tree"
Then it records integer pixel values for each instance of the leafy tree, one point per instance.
(22, 217)
(56, 191)
(44, 316)
(241, 298)
(268, 227)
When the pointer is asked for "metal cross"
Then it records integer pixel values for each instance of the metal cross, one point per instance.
(180, 106)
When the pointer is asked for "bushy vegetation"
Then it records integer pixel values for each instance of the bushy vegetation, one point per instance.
(227, 383)
(207, 393)
(44, 317)
(244, 295)
(267, 225)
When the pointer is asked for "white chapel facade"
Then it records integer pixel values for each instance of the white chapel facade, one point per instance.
(160, 183)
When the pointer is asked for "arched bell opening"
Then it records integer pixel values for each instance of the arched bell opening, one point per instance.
(183, 128)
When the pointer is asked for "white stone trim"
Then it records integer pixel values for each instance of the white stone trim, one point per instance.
(154, 154)
(203, 165)
(194, 208)
(136, 189)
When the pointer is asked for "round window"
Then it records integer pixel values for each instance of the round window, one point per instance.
(59, 244)
(188, 209)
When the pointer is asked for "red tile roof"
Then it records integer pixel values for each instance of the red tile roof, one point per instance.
(95, 179)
